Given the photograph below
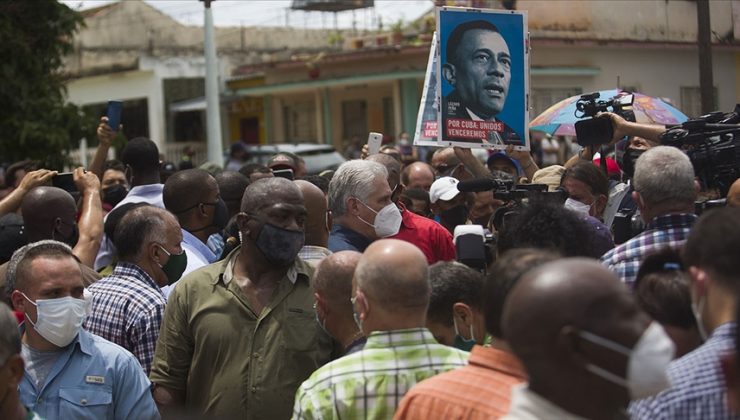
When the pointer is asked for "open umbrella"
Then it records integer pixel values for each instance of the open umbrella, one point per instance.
(560, 118)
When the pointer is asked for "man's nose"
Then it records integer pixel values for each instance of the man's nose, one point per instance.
(494, 68)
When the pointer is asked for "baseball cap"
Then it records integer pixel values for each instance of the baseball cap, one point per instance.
(612, 167)
(283, 160)
(444, 189)
(502, 155)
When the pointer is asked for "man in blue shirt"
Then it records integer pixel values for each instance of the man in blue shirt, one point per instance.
(194, 198)
(360, 201)
(70, 373)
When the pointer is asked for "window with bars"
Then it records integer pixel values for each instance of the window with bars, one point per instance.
(543, 98)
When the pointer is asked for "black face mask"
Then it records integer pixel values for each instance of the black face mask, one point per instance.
(114, 194)
(457, 215)
(628, 161)
(220, 216)
(279, 246)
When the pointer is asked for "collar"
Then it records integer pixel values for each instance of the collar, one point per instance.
(675, 220)
(199, 246)
(314, 249)
(126, 269)
(724, 331)
(399, 338)
(473, 115)
(406, 216)
(352, 236)
(495, 359)
(527, 404)
(146, 189)
(298, 267)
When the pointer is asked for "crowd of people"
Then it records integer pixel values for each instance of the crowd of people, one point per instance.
(209, 293)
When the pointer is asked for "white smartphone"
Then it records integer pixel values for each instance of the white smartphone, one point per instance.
(374, 140)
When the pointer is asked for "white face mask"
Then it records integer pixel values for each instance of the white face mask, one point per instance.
(59, 320)
(387, 220)
(577, 206)
(648, 361)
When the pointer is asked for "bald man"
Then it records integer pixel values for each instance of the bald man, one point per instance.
(51, 213)
(733, 196)
(391, 294)
(318, 223)
(573, 319)
(240, 335)
(332, 287)
(418, 175)
(194, 198)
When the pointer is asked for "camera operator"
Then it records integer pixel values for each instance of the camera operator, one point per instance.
(641, 138)
(664, 191)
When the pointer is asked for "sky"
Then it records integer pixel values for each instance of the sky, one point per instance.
(278, 13)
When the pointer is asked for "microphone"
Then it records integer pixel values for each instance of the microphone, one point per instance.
(480, 184)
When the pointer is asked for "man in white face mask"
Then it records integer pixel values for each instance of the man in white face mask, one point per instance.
(70, 373)
(360, 201)
(586, 345)
(698, 388)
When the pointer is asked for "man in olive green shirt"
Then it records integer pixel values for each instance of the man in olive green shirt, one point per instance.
(239, 336)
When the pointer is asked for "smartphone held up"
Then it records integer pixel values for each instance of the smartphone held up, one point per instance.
(114, 114)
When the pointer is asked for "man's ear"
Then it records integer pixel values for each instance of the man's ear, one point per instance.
(241, 222)
(463, 312)
(321, 305)
(18, 300)
(353, 206)
(637, 198)
(329, 220)
(448, 72)
(699, 280)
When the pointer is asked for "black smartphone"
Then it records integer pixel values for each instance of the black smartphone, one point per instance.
(114, 114)
(64, 181)
(284, 173)
(594, 131)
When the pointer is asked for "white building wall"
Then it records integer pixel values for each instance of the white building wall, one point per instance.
(659, 72)
(124, 86)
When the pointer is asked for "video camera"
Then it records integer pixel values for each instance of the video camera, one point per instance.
(712, 143)
(594, 131)
(513, 195)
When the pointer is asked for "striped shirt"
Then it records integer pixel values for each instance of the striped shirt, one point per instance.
(127, 309)
(369, 384)
(667, 231)
(480, 390)
(697, 384)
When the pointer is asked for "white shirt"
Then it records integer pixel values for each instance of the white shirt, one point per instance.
(150, 194)
(527, 405)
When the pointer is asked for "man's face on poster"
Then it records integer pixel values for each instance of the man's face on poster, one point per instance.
(481, 72)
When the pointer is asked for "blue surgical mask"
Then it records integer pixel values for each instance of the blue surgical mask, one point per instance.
(461, 342)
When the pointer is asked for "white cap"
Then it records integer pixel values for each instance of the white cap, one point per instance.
(444, 189)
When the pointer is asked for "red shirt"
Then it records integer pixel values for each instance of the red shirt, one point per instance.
(480, 390)
(429, 236)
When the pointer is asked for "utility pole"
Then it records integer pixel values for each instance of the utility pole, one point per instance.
(706, 80)
(213, 105)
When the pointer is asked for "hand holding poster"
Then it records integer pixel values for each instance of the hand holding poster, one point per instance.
(483, 78)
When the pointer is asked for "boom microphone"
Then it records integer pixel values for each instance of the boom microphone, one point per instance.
(480, 184)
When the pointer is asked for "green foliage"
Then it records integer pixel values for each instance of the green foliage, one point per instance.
(35, 121)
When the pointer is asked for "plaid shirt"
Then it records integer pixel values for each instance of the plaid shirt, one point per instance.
(697, 384)
(127, 309)
(668, 231)
(370, 384)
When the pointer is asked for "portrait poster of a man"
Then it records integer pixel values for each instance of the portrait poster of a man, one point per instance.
(483, 78)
